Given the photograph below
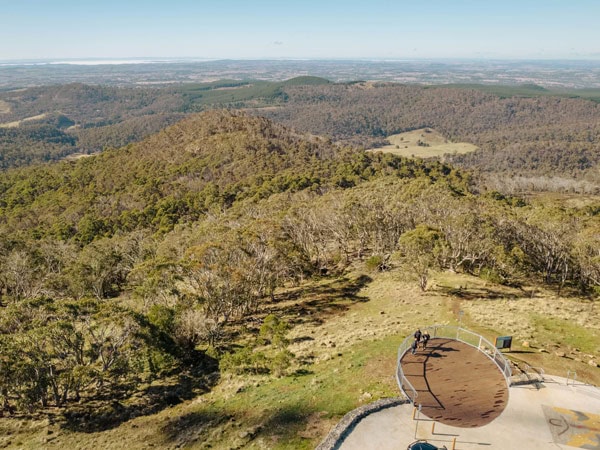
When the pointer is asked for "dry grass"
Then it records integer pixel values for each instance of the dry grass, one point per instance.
(17, 123)
(345, 333)
(556, 333)
(406, 144)
(563, 199)
(76, 156)
(4, 107)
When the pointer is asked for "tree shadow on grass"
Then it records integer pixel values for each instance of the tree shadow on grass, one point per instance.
(189, 428)
(316, 303)
(478, 293)
(286, 420)
(117, 405)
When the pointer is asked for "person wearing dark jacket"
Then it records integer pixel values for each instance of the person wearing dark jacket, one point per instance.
(413, 347)
(418, 335)
(424, 339)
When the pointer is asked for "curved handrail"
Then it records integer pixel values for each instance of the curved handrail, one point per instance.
(457, 334)
(400, 378)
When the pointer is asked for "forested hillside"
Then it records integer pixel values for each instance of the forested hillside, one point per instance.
(52, 122)
(545, 135)
(48, 123)
(145, 266)
(540, 136)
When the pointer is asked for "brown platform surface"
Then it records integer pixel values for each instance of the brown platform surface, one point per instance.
(456, 383)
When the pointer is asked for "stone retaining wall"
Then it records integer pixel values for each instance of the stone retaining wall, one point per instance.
(337, 435)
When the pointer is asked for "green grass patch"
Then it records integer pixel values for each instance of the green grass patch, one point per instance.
(281, 411)
(566, 333)
(240, 93)
(528, 91)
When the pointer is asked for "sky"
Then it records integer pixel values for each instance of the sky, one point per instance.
(261, 29)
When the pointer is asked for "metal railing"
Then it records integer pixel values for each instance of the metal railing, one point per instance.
(534, 371)
(457, 334)
(405, 386)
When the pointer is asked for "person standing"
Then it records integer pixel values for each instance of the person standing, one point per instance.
(425, 338)
(418, 335)
(413, 346)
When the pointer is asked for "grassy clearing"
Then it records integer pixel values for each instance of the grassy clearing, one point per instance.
(423, 143)
(345, 333)
(559, 334)
(4, 107)
(563, 199)
(17, 123)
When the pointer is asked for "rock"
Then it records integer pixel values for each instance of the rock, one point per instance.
(525, 344)
(381, 312)
(543, 350)
(560, 354)
(592, 363)
(366, 396)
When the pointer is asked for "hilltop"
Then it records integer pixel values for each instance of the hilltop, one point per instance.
(177, 175)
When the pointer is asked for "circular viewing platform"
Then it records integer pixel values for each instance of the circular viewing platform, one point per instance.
(456, 383)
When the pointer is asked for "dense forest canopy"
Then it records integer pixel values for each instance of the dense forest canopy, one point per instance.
(541, 135)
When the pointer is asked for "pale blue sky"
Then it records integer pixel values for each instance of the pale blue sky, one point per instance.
(32, 29)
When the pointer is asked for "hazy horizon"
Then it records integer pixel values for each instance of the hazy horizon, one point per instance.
(92, 60)
(266, 29)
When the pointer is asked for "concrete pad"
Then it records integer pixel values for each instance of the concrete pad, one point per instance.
(524, 424)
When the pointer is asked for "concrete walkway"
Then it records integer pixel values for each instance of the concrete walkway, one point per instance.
(556, 415)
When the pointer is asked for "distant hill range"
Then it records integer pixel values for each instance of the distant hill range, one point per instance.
(527, 131)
